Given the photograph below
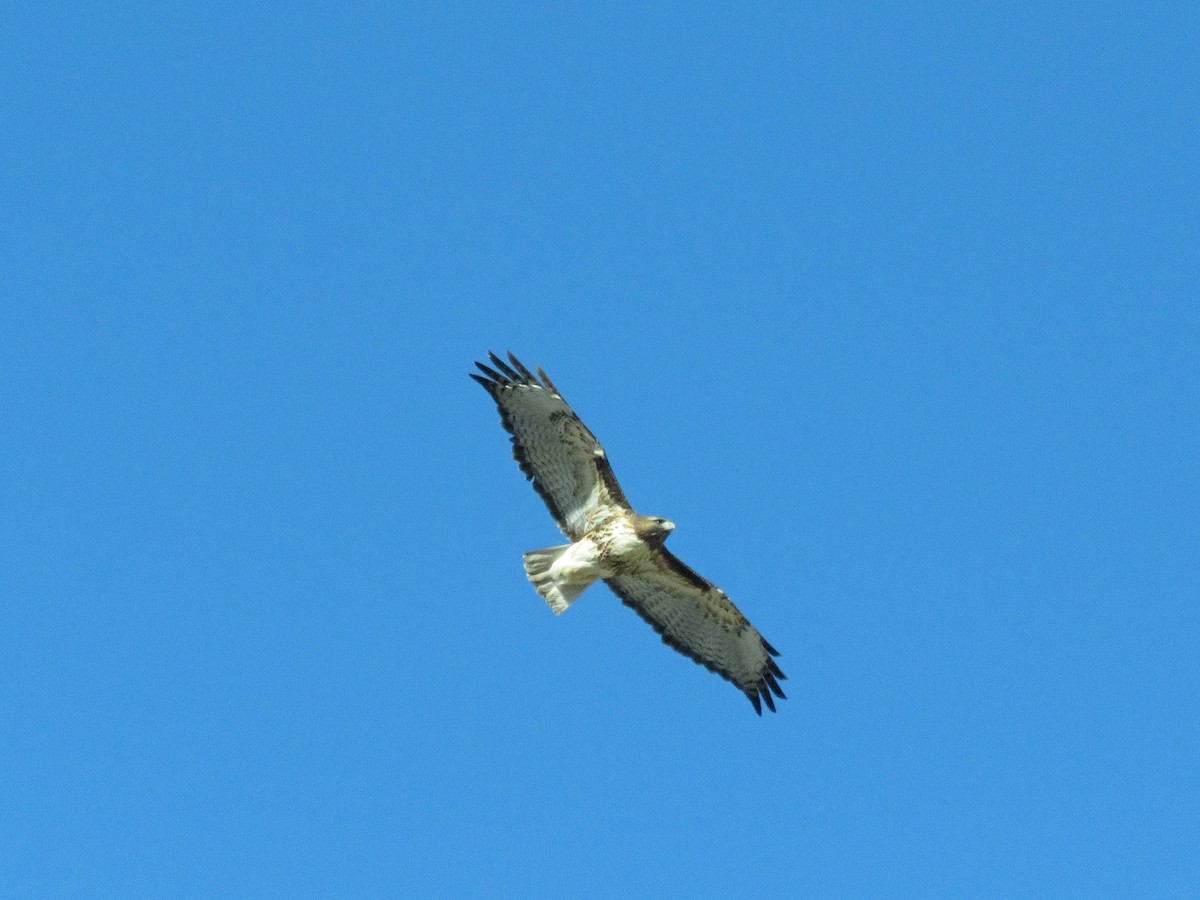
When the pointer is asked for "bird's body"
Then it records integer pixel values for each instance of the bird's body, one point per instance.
(618, 544)
(610, 542)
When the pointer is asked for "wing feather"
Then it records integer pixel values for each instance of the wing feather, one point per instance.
(555, 450)
(489, 372)
(504, 367)
(696, 618)
(524, 372)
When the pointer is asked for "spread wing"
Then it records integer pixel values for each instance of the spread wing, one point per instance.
(554, 448)
(695, 617)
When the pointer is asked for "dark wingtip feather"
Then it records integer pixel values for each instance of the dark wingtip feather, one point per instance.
(768, 647)
(769, 681)
(503, 366)
(775, 670)
(766, 695)
(488, 386)
(520, 367)
(547, 382)
(753, 695)
(491, 373)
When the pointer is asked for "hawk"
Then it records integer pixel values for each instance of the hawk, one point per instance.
(610, 542)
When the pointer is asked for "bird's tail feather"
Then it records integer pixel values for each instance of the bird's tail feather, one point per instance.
(559, 594)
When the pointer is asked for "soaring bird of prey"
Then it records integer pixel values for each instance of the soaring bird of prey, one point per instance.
(610, 542)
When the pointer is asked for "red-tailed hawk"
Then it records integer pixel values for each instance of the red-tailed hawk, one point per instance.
(609, 541)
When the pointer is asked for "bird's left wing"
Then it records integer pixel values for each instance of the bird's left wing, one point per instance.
(555, 450)
(695, 617)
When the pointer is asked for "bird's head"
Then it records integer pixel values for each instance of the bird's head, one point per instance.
(652, 529)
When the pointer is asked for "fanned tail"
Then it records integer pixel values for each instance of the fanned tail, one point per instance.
(559, 594)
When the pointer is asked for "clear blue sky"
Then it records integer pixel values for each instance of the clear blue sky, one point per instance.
(892, 309)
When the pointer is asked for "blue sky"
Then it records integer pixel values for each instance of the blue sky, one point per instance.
(893, 311)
